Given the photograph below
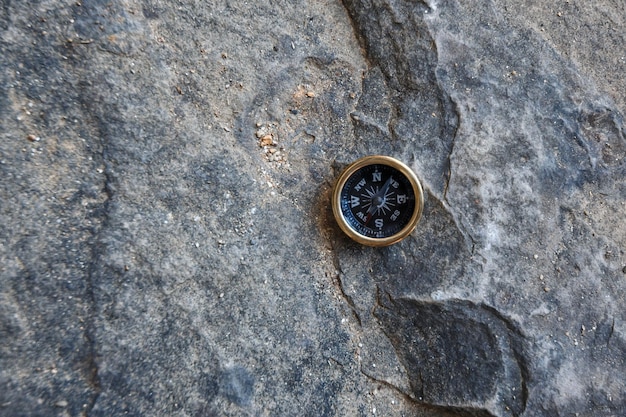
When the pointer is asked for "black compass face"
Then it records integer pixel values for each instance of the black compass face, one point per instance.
(377, 201)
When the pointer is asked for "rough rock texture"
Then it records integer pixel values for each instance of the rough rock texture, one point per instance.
(166, 244)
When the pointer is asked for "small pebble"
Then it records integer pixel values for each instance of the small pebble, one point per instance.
(266, 140)
(310, 94)
(61, 404)
(33, 138)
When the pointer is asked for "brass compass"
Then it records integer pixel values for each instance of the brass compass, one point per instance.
(377, 200)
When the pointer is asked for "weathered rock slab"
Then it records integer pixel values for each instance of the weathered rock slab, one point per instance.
(167, 246)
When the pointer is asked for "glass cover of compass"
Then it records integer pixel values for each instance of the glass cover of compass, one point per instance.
(377, 200)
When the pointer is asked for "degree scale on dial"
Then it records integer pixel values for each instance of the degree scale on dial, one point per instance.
(377, 201)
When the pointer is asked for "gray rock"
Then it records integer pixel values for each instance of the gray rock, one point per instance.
(157, 257)
(531, 146)
(457, 354)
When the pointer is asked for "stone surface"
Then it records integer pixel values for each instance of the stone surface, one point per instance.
(166, 243)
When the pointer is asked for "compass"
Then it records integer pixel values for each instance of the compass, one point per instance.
(377, 200)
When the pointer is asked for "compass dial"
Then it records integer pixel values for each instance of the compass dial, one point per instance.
(377, 201)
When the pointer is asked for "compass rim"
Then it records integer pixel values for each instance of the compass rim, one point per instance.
(404, 170)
